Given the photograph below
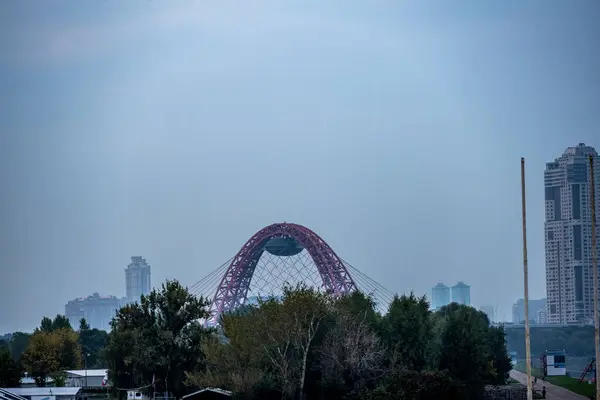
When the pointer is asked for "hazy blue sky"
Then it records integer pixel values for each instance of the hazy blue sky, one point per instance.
(175, 130)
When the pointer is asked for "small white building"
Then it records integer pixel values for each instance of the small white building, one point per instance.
(91, 378)
(46, 393)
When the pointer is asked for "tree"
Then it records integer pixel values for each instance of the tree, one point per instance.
(160, 336)
(307, 309)
(124, 351)
(235, 363)
(404, 384)
(68, 350)
(278, 339)
(234, 357)
(352, 354)
(59, 322)
(10, 371)
(83, 325)
(269, 347)
(18, 344)
(469, 348)
(316, 345)
(407, 330)
(501, 363)
(92, 342)
(41, 359)
(49, 352)
(46, 325)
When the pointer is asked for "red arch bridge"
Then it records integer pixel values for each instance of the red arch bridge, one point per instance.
(277, 255)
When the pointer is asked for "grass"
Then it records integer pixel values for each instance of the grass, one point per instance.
(573, 385)
(566, 382)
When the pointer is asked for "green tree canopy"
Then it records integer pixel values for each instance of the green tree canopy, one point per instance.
(159, 337)
(83, 325)
(18, 344)
(50, 350)
(407, 330)
(51, 325)
(308, 344)
(10, 371)
(92, 342)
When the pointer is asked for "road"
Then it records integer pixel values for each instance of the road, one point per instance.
(552, 392)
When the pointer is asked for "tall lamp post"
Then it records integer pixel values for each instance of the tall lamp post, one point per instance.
(526, 284)
(85, 356)
(595, 271)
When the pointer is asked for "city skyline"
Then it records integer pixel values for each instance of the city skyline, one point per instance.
(98, 310)
(442, 295)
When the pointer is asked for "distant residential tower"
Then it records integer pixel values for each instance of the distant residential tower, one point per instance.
(569, 279)
(490, 311)
(137, 279)
(440, 296)
(97, 311)
(461, 294)
(537, 313)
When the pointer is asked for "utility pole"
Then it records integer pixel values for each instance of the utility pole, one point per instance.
(595, 271)
(526, 285)
(85, 356)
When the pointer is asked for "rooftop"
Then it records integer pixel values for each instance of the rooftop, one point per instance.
(44, 391)
(90, 372)
(6, 395)
(461, 285)
(214, 390)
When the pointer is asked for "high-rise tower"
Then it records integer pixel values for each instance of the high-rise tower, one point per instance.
(461, 294)
(440, 296)
(137, 279)
(567, 228)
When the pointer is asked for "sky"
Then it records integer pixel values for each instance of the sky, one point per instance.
(175, 130)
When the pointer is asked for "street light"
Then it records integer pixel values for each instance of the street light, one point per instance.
(526, 284)
(595, 271)
(85, 356)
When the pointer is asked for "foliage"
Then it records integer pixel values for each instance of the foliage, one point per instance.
(158, 338)
(92, 342)
(52, 348)
(407, 331)
(10, 371)
(309, 344)
(59, 322)
(18, 344)
(306, 344)
(352, 356)
(59, 378)
(417, 385)
(469, 348)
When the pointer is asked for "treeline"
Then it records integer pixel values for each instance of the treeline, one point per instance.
(578, 341)
(50, 350)
(305, 345)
